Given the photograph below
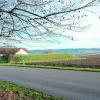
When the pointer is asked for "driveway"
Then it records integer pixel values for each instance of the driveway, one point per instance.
(71, 85)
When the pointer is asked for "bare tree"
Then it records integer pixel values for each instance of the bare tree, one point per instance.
(41, 18)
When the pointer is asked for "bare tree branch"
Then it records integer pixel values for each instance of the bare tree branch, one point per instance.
(32, 18)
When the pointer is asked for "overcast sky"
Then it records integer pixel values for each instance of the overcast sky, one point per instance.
(89, 38)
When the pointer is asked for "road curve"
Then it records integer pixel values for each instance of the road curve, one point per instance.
(71, 85)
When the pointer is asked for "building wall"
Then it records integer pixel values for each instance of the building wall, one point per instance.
(21, 51)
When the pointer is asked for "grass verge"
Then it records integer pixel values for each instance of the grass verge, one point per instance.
(53, 67)
(22, 93)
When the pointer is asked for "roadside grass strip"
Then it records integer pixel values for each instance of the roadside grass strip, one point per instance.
(53, 67)
(19, 92)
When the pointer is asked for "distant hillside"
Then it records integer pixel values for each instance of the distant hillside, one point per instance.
(71, 51)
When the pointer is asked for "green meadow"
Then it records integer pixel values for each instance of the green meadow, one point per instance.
(48, 57)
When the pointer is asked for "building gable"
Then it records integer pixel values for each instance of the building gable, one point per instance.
(22, 51)
(13, 51)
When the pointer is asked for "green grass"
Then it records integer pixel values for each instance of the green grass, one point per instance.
(18, 90)
(49, 57)
(53, 67)
(61, 68)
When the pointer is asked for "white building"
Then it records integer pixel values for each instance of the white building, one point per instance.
(23, 51)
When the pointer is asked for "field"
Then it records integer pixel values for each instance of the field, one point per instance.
(90, 61)
(48, 57)
(64, 60)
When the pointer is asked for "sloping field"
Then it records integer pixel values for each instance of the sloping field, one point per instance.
(49, 57)
(89, 61)
(66, 60)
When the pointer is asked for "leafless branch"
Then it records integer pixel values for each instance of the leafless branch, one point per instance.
(30, 18)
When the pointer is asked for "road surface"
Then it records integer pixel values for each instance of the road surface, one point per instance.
(71, 85)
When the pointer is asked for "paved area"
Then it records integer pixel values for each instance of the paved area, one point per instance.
(71, 85)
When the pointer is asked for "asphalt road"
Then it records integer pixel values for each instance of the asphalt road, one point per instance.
(71, 85)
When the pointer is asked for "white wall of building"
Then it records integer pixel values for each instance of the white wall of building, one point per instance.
(21, 51)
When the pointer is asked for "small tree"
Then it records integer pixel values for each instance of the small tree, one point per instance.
(7, 53)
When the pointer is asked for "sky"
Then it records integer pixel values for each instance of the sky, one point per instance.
(88, 38)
